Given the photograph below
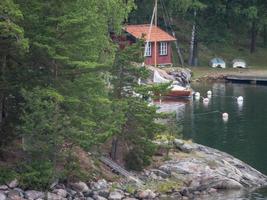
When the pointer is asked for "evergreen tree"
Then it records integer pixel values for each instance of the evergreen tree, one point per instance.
(13, 45)
(136, 125)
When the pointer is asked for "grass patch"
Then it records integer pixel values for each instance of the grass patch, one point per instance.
(165, 186)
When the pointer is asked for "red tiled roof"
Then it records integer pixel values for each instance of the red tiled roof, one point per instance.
(157, 34)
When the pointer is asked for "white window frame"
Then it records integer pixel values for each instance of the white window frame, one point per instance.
(163, 51)
(148, 49)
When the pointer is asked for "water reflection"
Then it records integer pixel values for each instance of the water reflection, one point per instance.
(177, 106)
(245, 133)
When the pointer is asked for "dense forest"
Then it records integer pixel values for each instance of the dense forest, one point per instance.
(63, 79)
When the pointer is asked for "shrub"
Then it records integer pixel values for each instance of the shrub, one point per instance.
(7, 175)
(140, 156)
(37, 175)
(134, 160)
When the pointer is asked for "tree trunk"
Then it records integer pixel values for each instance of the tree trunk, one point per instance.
(265, 35)
(192, 43)
(195, 53)
(253, 38)
(114, 148)
(2, 96)
(1, 109)
(178, 50)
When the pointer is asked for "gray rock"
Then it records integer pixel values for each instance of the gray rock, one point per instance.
(175, 195)
(160, 173)
(104, 193)
(54, 184)
(14, 195)
(19, 190)
(100, 185)
(89, 198)
(71, 192)
(115, 195)
(60, 192)
(129, 198)
(187, 148)
(2, 196)
(147, 194)
(178, 142)
(80, 187)
(97, 197)
(3, 187)
(13, 183)
(32, 195)
(52, 196)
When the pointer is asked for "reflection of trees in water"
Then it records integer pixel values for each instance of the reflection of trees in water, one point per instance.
(218, 89)
(177, 110)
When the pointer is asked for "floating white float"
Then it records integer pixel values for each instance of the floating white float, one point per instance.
(197, 95)
(209, 96)
(209, 92)
(206, 100)
(225, 116)
(240, 99)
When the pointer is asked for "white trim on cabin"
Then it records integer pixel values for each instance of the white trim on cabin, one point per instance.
(163, 51)
(148, 49)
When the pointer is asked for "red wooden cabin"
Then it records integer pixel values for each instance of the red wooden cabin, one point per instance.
(158, 51)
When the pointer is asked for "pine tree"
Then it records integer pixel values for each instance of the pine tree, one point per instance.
(13, 45)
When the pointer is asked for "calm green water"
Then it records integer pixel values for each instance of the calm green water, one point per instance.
(243, 136)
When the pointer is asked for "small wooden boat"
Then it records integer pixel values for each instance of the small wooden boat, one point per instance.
(176, 90)
(179, 91)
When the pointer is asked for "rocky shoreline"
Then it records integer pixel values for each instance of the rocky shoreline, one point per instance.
(205, 173)
(193, 172)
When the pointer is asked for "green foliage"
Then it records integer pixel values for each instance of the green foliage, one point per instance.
(7, 174)
(36, 175)
(136, 124)
(43, 122)
(72, 171)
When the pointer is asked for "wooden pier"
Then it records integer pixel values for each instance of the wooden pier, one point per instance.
(247, 79)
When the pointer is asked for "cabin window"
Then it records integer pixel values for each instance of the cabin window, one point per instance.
(163, 51)
(148, 49)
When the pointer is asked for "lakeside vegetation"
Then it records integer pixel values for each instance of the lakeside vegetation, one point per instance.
(64, 84)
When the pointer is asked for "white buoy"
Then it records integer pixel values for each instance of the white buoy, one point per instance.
(209, 96)
(240, 99)
(209, 92)
(206, 100)
(197, 95)
(225, 117)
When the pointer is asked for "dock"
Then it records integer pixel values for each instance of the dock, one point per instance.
(247, 79)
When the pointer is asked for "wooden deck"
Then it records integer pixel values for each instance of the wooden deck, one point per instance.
(247, 79)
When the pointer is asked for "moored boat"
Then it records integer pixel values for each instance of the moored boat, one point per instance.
(179, 91)
(176, 90)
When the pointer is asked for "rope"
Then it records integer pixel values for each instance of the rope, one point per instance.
(150, 29)
(206, 113)
(165, 13)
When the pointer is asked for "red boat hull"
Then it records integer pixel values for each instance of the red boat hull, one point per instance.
(179, 93)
